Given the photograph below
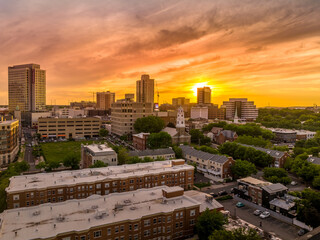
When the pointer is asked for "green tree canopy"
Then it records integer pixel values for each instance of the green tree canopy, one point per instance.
(209, 221)
(103, 132)
(159, 140)
(177, 151)
(71, 160)
(99, 164)
(243, 168)
(236, 234)
(151, 124)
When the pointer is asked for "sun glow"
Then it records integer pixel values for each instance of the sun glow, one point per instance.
(200, 85)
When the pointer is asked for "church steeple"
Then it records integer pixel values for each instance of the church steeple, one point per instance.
(180, 118)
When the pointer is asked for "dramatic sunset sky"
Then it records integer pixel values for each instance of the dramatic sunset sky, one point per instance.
(265, 50)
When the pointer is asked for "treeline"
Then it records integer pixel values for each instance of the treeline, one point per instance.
(250, 154)
(14, 169)
(249, 129)
(289, 118)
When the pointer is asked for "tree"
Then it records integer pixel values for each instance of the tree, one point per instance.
(316, 182)
(170, 124)
(41, 165)
(103, 132)
(209, 221)
(123, 156)
(276, 175)
(99, 164)
(159, 140)
(195, 135)
(72, 160)
(236, 234)
(243, 168)
(151, 124)
(177, 151)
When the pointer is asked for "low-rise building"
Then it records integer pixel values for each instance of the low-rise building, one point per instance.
(279, 157)
(165, 153)
(215, 167)
(220, 136)
(313, 160)
(199, 112)
(80, 127)
(9, 141)
(90, 154)
(139, 141)
(259, 192)
(155, 213)
(35, 189)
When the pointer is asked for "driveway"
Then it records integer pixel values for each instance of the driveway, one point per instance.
(282, 230)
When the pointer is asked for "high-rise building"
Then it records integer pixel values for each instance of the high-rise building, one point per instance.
(27, 87)
(180, 101)
(240, 108)
(204, 95)
(105, 99)
(124, 114)
(9, 141)
(145, 89)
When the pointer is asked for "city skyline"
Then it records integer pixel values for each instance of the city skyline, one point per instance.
(268, 52)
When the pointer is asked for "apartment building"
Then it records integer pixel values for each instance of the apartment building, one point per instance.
(180, 101)
(139, 141)
(240, 108)
(9, 141)
(35, 189)
(125, 113)
(215, 167)
(105, 99)
(27, 87)
(145, 89)
(165, 153)
(92, 153)
(155, 213)
(80, 127)
(204, 95)
(279, 157)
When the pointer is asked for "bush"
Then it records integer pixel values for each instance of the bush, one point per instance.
(226, 197)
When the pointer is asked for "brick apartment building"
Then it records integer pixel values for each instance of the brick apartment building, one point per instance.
(139, 141)
(79, 127)
(9, 141)
(217, 167)
(165, 153)
(155, 213)
(35, 189)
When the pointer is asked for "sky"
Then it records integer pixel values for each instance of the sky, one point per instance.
(266, 51)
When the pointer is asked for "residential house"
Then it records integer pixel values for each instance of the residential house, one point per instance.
(214, 166)
(139, 141)
(166, 153)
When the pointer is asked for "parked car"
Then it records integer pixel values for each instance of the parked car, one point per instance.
(232, 190)
(214, 194)
(293, 183)
(222, 193)
(239, 204)
(257, 212)
(264, 215)
(301, 232)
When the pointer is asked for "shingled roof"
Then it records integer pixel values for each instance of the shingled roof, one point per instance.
(314, 160)
(272, 153)
(149, 152)
(203, 155)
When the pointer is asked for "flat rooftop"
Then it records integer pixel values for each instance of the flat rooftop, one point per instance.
(49, 220)
(91, 175)
(99, 148)
(254, 181)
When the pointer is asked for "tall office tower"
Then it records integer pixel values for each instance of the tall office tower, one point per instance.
(180, 101)
(204, 95)
(145, 89)
(27, 87)
(105, 99)
(240, 108)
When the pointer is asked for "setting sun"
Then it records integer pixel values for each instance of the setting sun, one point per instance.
(200, 85)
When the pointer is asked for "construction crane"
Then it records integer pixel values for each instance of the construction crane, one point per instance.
(93, 93)
(158, 95)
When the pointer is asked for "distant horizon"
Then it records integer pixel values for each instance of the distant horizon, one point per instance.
(267, 52)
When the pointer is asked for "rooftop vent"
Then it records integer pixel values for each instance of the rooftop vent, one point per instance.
(133, 208)
(100, 214)
(127, 201)
(60, 218)
(94, 206)
(36, 213)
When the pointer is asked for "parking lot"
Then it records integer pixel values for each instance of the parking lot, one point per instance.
(283, 230)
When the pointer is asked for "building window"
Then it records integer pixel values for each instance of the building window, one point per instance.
(192, 212)
(83, 237)
(97, 234)
(16, 197)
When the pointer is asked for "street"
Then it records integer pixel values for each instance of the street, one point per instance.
(281, 229)
(28, 157)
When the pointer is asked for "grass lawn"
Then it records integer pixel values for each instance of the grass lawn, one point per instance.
(57, 151)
